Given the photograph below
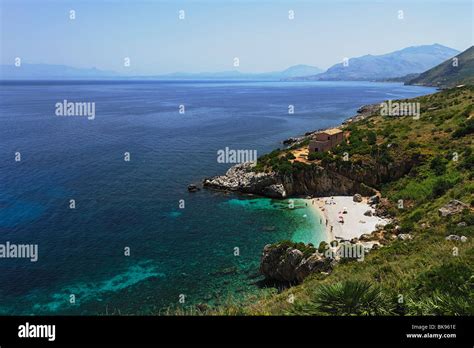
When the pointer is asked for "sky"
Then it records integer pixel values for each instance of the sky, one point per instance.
(259, 33)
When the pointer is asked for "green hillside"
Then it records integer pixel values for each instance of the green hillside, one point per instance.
(424, 275)
(447, 75)
(423, 270)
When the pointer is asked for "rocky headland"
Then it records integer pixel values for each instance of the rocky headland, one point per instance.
(313, 179)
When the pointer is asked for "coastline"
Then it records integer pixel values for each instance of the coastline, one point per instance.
(326, 209)
(355, 223)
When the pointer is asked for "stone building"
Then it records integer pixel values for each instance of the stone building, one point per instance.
(326, 140)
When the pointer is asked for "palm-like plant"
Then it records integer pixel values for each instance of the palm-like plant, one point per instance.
(352, 298)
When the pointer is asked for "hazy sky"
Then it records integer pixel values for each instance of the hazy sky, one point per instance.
(213, 32)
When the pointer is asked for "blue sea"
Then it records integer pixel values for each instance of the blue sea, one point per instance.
(208, 251)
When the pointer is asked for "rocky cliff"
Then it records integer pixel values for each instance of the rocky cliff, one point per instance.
(311, 180)
(335, 178)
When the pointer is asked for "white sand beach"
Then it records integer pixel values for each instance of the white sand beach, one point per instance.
(355, 222)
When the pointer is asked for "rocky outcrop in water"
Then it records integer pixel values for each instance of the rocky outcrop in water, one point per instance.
(285, 263)
(274, 191)
(193, 188)
(293, 262)
(292, 140)
(363, 112)
(241, 178)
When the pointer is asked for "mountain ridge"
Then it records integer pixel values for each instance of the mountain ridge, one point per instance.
(448, 73)
(409, 60)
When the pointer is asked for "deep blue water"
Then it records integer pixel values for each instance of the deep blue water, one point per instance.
(135, 204)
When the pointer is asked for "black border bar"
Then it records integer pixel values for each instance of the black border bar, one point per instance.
(311, 331)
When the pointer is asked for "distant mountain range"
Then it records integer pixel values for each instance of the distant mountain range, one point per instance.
(293, 71)
(55, 72)
(50, 71)
(402, 66)
(301, 70)
(449, 73)
(410, 60)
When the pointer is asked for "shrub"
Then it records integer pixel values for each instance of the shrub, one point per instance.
(297, 166)
(371, 137)
(326, 160)
(440, 186)
(468, 162)
(448, 278)
(307, 250)
(352, 298)
(416, 216)
(315, 156)
(465, 129)
(468, 217)
(438, 165)
(407, 226)
(322, 247)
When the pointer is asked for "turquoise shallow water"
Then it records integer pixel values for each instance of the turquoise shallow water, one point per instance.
(135, 204)
(228, 275)
(307, 227)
